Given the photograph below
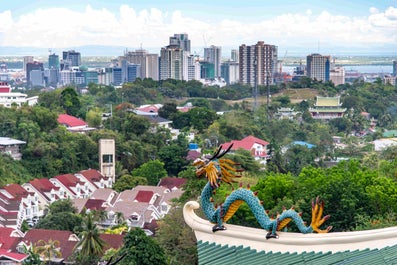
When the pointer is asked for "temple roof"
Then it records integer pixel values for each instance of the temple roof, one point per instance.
(245, 245)
(328, 102)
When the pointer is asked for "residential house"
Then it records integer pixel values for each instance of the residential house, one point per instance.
(73, 187)
(8, 98)
(66, 242)
(95, 180)
(257, 147)
(83, 204)
(143, 205)
(9, 239)
(11, 147)
(29, 209)
(11, 211)
(73, 124)
(172, 183)
(46, 191)
(107, 195)
(286, 113)
(327, 108)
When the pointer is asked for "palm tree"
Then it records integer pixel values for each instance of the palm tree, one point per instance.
(48, 250)
(91, 246)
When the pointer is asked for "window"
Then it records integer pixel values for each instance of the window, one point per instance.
(107, 158)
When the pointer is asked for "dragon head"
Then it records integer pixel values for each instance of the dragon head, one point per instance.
(216, 168)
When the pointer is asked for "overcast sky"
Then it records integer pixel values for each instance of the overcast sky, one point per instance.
(317, 25)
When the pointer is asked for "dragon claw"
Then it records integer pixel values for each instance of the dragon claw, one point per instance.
(218, 228)
(317, 218)
(271, 235)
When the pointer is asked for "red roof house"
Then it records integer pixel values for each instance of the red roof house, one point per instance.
(71, 122)
(172, 183)
(256, 146)
(67, 240)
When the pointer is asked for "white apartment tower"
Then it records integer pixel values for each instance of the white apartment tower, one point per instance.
(213, 55)
(173, 63)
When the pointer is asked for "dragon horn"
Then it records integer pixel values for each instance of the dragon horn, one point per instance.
(216, 153)
(225, 152)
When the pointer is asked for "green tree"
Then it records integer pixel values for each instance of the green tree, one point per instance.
(179, 244)
(152, 170)
(174, 157)
(127, 182)
(48, 250)
(70, 101)
(139, 249)
(91, 247)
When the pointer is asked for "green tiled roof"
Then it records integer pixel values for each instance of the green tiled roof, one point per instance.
(327, 101)
(214, 254)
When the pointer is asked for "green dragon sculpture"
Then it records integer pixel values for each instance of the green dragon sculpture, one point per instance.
(218, 170)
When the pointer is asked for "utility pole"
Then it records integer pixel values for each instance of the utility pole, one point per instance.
(255, 83)
(268, 94)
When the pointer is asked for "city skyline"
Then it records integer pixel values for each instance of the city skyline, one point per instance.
(335, 27)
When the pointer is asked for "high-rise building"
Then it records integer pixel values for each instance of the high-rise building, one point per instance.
(173, 63)
(395, 68)
(30, 66)
(36, 78)
(149, 63)
(230, 72)
(70, 58)
(337, 75)
(26, 60)
(318, 67)
(182, 41)
(257, 63)
(234, 55)
(117, 76)
(207, 70)
(194, 71)
(53, 61)
(133, 72)
(213, 55)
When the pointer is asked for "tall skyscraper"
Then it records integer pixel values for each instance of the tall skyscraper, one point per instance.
(213, 55)
(395, 68)
(234, 55)
(318, 67)
(230, 72)
(148, 62)
(173, 63)
(33, 66)
(182, 41)
(70, 58)
(53, 61)
(257, 63)
(26, 60)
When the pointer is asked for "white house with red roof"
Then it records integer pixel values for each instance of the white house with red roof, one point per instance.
(73, 124)
(74, 187)
(256, 146)
(9, 239)
(67, 241)
(46, 192)
(94, 178)
(29, 203)
(8, 98)
(11, 212)
(148, 110)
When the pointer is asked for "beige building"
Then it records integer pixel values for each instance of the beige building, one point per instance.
(337, 76)
(107, 158)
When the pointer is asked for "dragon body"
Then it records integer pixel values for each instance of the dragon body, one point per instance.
(219, 170)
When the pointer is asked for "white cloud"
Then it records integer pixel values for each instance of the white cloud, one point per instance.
(62, 27)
